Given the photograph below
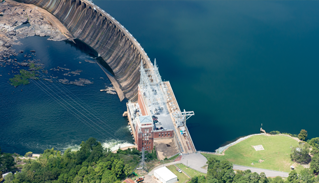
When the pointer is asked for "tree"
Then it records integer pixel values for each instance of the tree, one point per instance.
(90, 164)
(77, 179)
(314, 142)
(300, 154)
(119, 168)
(303, 135)
(28, 154)
(201, 179)
(108, 176)
(127, 169)
(1, 178)
(314, 165)
(254, 177)
(198, 179)
(293, 176)
(306, 176)
(194, 180)
(211, 179)
(277, 180)
(82, 172)
(9, 178)
(7, 162)
(263, 178)
(228, 176)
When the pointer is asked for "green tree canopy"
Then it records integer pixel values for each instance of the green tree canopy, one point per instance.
(303, 135)
(90, 164)
(293, 176)
(300, 154)
(305, 175)
(314, 165)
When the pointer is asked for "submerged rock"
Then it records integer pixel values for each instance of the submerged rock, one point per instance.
(90, 61)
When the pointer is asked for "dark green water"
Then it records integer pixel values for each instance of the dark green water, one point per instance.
(236, 64)
(43, 115)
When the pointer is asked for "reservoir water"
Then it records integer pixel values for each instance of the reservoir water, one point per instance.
(236, 64)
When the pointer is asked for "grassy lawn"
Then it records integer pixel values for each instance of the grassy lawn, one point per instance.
(180, 176)
(189, 171)
(275, 156)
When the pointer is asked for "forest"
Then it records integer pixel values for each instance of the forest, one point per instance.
(91, 164)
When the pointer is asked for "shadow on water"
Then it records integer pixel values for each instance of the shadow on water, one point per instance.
(25, 24)
(80, 45)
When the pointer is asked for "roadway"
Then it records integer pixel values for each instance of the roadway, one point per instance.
(197, 161)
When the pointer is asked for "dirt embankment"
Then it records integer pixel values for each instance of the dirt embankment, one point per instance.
(18, 20)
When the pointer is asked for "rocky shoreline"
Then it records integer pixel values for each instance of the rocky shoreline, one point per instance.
(18, 20)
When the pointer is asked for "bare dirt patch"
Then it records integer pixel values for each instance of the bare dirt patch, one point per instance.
(165, 148)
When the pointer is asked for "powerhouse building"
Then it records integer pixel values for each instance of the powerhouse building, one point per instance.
(149, 116)
(156, 113)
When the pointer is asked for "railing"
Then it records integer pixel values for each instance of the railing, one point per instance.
(178, 143)
(206, 152)
(191, 140)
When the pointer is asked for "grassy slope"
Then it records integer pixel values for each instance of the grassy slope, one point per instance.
(180, 176)
(189, 171)
(276, 155)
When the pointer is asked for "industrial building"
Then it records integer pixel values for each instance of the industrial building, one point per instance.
(165, 175)
(156, 114)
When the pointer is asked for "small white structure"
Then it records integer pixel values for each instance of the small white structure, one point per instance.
(165, 175)
(259, 148)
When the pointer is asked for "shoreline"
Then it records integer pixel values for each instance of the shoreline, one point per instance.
(221, 150)
(21, 20)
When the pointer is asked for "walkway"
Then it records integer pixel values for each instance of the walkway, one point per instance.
(196, 161)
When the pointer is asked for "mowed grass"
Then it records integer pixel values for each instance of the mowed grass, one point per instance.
(189, 171)
(180, 176)
(275, 156)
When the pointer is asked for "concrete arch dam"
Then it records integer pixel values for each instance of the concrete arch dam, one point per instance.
(90, 24)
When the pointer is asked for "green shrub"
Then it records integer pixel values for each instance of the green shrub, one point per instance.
(28, 154)
(274, 132)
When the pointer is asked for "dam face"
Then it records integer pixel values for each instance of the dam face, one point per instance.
(90, 24)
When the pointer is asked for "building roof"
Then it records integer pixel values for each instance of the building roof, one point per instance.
(165, 173)
(145, 119)
(128, 180)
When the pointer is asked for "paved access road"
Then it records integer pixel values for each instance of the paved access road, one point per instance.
(196, 161)
(269, 173)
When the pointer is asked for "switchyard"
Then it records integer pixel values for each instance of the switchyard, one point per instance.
(156, 114)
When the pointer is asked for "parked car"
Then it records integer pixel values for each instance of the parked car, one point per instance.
(140, 179)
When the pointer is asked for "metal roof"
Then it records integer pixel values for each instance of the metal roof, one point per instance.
(165, 173)
(145, 119)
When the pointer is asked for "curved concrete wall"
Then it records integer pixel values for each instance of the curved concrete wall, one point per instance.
(90, 24)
